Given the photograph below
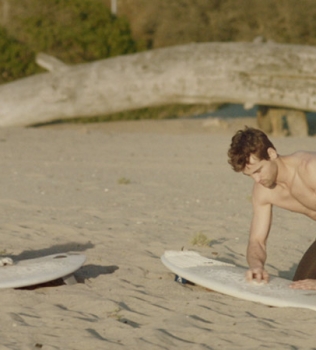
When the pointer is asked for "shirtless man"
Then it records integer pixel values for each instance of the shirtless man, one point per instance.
(288, 182)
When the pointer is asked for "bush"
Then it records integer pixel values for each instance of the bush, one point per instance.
(76, 30)
(16, 60)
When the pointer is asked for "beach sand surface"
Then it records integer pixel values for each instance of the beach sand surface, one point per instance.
(122, 193)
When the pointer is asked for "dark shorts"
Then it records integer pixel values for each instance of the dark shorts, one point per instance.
(307, 267)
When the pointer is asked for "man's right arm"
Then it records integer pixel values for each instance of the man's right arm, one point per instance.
(259, 231)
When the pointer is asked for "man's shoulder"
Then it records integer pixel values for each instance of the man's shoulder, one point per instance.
(302, 161)
(261, 195)
(303, 156)
(306, 164)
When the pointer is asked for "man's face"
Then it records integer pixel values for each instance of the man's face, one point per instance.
(263, 171)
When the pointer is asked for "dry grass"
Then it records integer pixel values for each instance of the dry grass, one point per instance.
(161, 23)
(123, 181)
(201, 240)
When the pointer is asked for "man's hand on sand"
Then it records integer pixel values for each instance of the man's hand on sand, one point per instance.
(307, 284)
(258, 275)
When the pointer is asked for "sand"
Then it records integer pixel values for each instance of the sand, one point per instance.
(122, 194)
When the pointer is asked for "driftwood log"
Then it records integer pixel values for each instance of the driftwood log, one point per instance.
(248, 73)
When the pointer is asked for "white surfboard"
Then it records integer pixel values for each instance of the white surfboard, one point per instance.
(230, 279)
(30, 272)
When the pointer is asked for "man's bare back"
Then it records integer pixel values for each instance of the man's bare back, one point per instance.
(288, 182)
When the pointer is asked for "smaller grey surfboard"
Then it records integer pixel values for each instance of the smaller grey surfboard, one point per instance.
(30, 272)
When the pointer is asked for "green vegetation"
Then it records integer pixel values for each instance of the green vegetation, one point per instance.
(164, 112)
(201, 240)
(75, 31)
(16, 60)
(123, 181)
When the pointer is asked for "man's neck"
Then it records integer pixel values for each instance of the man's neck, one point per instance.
(286, 171)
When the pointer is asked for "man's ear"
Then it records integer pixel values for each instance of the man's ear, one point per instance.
(272, 153)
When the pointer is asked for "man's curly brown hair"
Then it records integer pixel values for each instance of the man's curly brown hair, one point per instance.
(248, 142)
